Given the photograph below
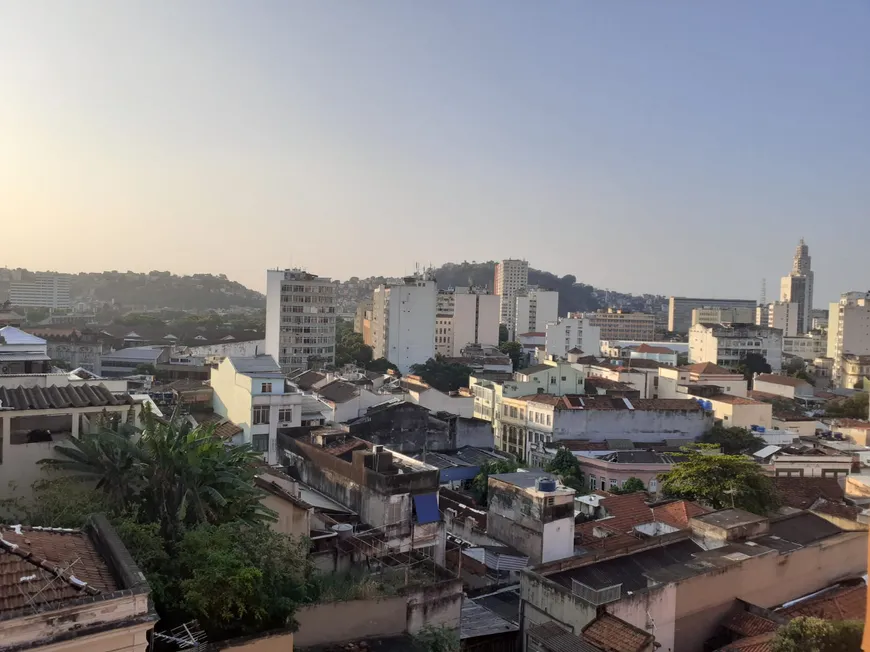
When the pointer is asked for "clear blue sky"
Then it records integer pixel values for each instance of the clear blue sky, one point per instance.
(679, 147)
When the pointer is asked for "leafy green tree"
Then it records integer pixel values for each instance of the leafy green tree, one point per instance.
(437, 639)
(349, 346)
(751, 364)
(631, 485)
(443, 375)
(564, 463)
(721, 481)
(806, 634)
(502, 333)
(514, 350)
(381, 366)
(240, 579)
(55, 502)
(732, 440)
(854, 407)
(480, 484)
(61, 364)
(171, 474)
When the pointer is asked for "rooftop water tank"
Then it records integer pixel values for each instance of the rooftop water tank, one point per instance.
(343, 530)
(545, 484)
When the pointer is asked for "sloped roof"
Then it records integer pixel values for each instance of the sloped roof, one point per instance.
(558, 639)
(30, 559)
(615, 635)
(338, 391)
(781, 380)
(12, 335)
(841, 603)
(678, 513)
(646, 348)
(801, 493)
(255, 366)
(54, 397)
(308, 379)
(707, 368)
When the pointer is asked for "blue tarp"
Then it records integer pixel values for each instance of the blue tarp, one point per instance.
(426, 506)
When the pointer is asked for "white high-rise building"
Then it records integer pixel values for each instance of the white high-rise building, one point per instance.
(465, 316)
(535, 308)
(511, 279)
(566, 334)
(403, 322)
(797, 287)
(300, 319)
(848, 330)
(779, 314)
(45, 291)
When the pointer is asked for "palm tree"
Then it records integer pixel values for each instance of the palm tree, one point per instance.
(108, 458)
(168, 473)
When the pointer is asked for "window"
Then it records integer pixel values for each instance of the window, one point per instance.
(592, 483)
(261, 414)
(653, 485)
(553, 380)
(564, 379)
(260, 443)
(266, 388)
(548, 420)
(614, 484)
(285, 414)
(603, 483)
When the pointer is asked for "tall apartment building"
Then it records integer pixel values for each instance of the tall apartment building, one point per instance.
(740, 315)
(779, 314)
(728, 345)
(465, 316)
(566, 334)
(797, 287)
(848, 331)
(403, 322)
(614, 324)
(300, 319)
(680, 310)
(45, 291)
(535, 308)
(511, 277)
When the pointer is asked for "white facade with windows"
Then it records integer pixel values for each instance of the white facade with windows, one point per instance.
(251, 393)
(566, 334)
(511, 277)
(403, 322)
(534, 310)
(848, 331)
(779, 314)
(300, 318)
(465, 316)
(45, 291)
(728, 346)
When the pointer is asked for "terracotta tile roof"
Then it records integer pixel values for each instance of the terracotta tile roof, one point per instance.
(838, 510)
(613, 634)
(54, 397)
(544, 399)
(776, 379)
(749, 624)
(606, 383)
(707, 368)
(338, 391)
(760, 643)
(678, 404)
(646, 348)
(801, 493)
(31, 560)
(842, 603)
(558, 639)
(764, 396)
(678, 513)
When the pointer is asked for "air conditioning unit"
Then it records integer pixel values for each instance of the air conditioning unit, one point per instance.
(286, 424)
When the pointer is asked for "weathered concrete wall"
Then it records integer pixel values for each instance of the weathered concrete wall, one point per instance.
(653, 611)
(766, 581)
(473, 432)
(544, 601)
(527, 541)
(338, 622)
(637, 425)
(276, 642)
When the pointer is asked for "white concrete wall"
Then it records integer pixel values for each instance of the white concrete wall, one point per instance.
(410, 323)
(638, 425)
(272, 344)
(557, 541)
(475, 320)
(570, 333)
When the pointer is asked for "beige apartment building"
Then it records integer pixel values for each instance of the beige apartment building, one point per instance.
(511, 277)
(616, 324)
(848, 333)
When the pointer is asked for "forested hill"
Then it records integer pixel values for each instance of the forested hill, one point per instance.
(155, 290)
(573, 296)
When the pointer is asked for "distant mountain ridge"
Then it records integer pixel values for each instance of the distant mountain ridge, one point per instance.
(152, 290)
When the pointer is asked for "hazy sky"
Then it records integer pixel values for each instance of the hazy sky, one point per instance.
(679, 147)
